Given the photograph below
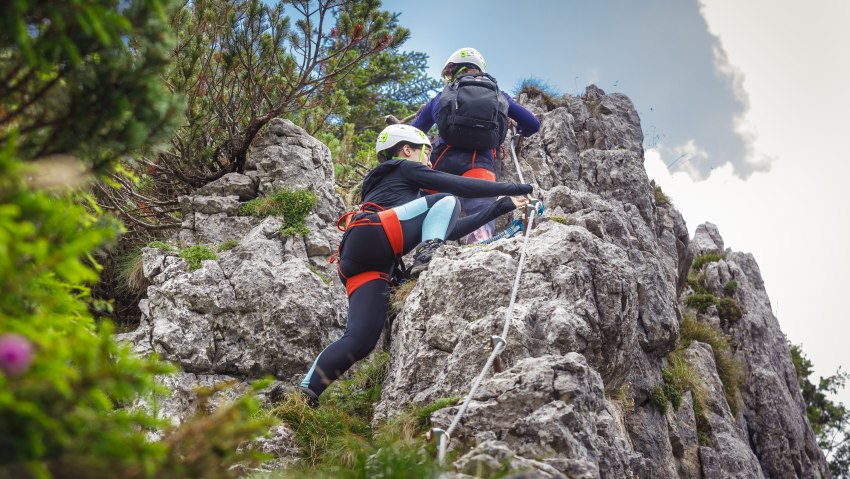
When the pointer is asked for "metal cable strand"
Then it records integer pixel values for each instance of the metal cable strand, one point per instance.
(444, 439)
(516, 161)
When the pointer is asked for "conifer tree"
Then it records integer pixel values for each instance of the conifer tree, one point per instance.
(79, 87)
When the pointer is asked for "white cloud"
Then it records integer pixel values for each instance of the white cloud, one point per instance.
(795, 219)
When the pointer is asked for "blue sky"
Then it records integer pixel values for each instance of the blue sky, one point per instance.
(751, 98)
(658, 52)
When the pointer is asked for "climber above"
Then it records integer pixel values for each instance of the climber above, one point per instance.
(472, 120)
(394, 220)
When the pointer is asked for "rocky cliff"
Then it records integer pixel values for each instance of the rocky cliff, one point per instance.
(625, 358)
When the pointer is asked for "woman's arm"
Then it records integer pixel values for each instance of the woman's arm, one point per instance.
(425, 119)
(526, 121)
(428, 179)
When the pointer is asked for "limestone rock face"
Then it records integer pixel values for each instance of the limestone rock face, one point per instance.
(231, 184)
(267, 305)
(253, 311)
(773, 413)
(562, 408)
(285, 156)
(729, 454)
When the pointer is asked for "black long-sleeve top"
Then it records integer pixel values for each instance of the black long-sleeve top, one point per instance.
(396, 182)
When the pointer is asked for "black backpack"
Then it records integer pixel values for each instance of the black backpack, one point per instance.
(473, 113)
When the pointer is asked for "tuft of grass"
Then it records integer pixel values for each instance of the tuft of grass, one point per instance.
(538, 88)
(560, 219)
(318, 273)
(704, 438)
(699, 261)
(357, 395)
(729, 368)
(337, 440)
(322, 433)
(658, 398)
(227, 246)
(334, 432)
(399, 296)
(680, 377)
(423, 414)
(701, 301)
(730, 288)
(697, 283)
(161, 246)
(729, 309)
(622, 394)
(131, 273)
(661, 199)
(195, 254)
(293, 206)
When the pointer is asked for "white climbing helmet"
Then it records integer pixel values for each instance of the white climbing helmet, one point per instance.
(395, 134)
(467, 55)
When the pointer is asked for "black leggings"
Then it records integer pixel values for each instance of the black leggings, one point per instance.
(366, 248)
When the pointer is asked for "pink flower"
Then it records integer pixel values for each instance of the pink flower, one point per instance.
(15, 354)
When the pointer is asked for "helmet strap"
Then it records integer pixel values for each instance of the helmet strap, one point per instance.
(456, 74)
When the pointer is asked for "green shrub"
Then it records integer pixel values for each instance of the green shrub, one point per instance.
(64, 414)
(703, 438)
(697, 283)
(699, 261)
(227, 246)
(560, 219)
(700, 302)
(161, 246)
(673, 395)
(658, 398)
(661, 199)
(82, 81)
(195, 254)
(728, 309)
(293, 206)
(730, 288)
(828, 418)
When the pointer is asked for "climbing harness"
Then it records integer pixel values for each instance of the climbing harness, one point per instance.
(498, 343)
(388, 220)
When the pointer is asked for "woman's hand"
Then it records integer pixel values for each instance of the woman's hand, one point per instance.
(519, 201)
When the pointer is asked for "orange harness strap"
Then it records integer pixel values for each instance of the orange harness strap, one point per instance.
(434, 166)
(392, 227)
(358, 280)
(481, 174)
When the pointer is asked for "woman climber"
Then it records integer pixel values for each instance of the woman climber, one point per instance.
(395, 219)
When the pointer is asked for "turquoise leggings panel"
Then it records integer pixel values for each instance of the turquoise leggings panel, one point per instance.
(436, 224)
(412, 209)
